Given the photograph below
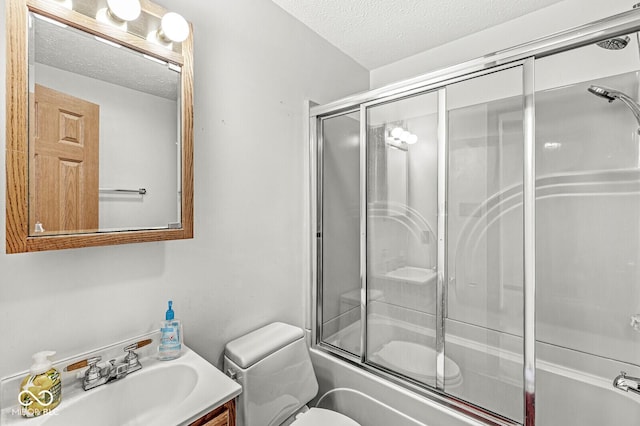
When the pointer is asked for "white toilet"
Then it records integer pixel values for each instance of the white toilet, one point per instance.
(274, 368)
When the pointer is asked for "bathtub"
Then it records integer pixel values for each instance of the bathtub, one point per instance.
(491, 378)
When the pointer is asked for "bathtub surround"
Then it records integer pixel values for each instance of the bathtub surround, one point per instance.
(246, 265)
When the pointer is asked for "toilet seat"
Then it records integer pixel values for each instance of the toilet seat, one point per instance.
(323, 417)
(416, 361)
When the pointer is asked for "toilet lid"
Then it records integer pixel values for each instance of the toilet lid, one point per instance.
(323, 417)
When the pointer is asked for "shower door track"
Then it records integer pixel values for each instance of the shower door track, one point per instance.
(623, 23)
(523, 55)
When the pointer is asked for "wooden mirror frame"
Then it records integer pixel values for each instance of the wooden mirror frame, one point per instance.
(17, 103)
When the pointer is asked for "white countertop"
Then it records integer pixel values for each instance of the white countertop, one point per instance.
(162, 393)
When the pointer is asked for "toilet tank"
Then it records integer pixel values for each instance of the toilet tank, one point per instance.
(274, 368)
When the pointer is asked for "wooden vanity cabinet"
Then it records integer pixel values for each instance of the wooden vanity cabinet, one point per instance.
(225, 415)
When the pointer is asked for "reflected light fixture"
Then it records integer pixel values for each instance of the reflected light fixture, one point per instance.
(552, 146)
(396, 132)
(401, 135)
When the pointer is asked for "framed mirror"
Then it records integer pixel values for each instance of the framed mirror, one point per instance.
(99, 124)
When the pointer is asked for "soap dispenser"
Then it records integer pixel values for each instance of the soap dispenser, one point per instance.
(170, 336)
(41, 389)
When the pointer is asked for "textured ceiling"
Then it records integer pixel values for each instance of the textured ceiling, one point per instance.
(378, 32)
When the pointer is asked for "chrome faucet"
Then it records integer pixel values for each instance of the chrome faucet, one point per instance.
(96, 376)
(627, 383)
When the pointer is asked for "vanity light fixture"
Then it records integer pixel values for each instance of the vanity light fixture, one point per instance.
(104, 16)
(124, 10)
(173, 28)
(119, 12)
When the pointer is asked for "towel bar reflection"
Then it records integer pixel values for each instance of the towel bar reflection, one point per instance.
(140, 191)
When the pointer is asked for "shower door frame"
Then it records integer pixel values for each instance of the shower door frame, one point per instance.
(523, 55)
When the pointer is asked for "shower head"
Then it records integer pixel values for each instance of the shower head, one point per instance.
(615, 43)
(612, 94)
(620, 42)
(602, 92)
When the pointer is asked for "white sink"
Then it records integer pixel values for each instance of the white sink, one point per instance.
(412, 274)
(167, 393)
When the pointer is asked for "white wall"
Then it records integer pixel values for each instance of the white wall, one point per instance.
(543, 22)
(248, 263)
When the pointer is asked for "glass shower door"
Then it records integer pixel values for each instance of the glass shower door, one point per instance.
(339, 252)
(484, 321)
(421, 238)
(402, 145)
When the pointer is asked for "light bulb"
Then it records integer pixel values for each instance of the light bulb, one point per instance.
(124, 10)
(405, 136)
(174, 27)
(412, 139)
(105, 17)
(396, 132)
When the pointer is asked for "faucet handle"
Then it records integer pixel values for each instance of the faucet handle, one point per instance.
(93, 372)
(93, 362)
(137, 345)
(76, 365)
(84, 363)
(131, 359)
(95, 376)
